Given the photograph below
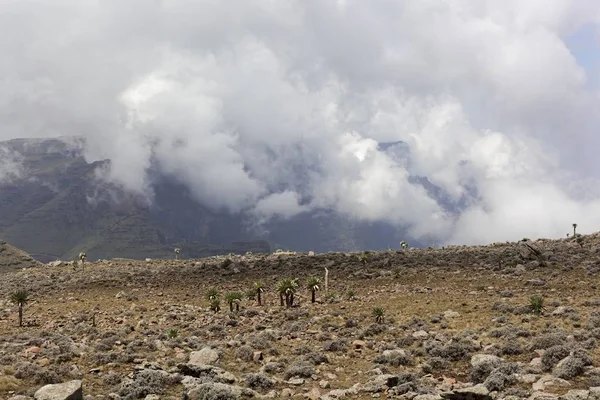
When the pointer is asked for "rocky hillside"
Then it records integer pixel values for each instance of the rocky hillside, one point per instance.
(13, 258)
(506, 321)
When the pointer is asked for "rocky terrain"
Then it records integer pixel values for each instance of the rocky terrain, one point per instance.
(505, 321)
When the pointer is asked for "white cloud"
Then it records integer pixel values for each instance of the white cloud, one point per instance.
(256, 104)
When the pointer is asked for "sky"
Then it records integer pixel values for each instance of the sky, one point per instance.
(276, 107)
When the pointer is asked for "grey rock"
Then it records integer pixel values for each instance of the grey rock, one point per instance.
(205, 356)
(210, 391)
(477, 392)
(427, 397)
(62, 391)
(549, 381)
(204, 374)
(594, 393)
(576, 395)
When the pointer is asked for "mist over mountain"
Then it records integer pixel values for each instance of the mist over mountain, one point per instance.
(317, 125)
(58, 206)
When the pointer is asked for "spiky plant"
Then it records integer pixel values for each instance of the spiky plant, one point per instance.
(330, 297)
(172, 333)
(20, 298)
(259, 288)
(403, 245)
(251, 294)
(177, 252)
(215, 305)
(536, 305)
(379, 314)
(212, 294)
(313, 284)
(351, 294)
(574, 230)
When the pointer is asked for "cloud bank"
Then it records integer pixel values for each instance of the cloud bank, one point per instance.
(278, 107)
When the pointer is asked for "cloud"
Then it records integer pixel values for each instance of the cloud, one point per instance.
(10, 165)
(276, 108)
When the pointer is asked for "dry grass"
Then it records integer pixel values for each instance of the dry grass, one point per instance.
(162, 295)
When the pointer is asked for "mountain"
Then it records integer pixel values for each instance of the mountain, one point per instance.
(55, 207)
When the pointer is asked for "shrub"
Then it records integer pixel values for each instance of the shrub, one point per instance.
(112, 379)
(147, 382)
(455, 350)
(372, 330)
(501, 377)
(259, 381)
(9, 383)
(435, 364)
(553, 355)
(511, 348)
(313, 358)
(213, 391)
(548, 340)
(394, 358)
(299, 370)
(245, 353)
(336, 345)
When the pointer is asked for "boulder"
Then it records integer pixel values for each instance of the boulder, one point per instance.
(61, 391)
(205, 356)
(477, 392)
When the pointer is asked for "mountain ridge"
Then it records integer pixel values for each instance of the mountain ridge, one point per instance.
(58, 207)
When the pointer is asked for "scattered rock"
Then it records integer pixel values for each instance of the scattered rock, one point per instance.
(205, 356)
(62, 391)
(420, 334)
(477, 392)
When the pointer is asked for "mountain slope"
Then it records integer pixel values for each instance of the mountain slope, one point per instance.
(13, 258)
(57, 208)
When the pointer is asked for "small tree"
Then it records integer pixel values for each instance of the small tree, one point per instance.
(313, 285)
(259, 289)
(379, 314)
(403, 245)
(177, 252)
(234, 298)
(20, 298)
(574, 230)
(286, 289)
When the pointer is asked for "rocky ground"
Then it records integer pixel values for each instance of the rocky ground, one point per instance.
(458, 324)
